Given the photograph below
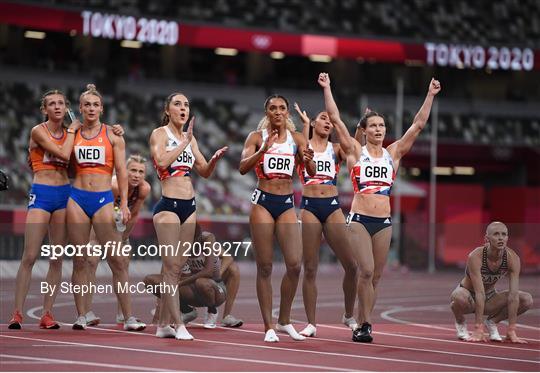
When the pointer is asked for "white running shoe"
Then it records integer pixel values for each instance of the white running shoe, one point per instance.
(80, 323)
(134, 324)
(349, 322)
(462, 332)
(493, 331)
(271, 336)
(210, 320)
(309, 331)
(165, 332)
(120, 318)
(231, 322)
(92, 319)
(289, 329)
(190, 316)
(182, 334)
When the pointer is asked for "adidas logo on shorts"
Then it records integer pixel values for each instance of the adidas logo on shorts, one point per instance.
(334, 202)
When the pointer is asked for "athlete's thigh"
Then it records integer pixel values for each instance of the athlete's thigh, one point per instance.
(262, 226)
(338, 237)
(311, 236)
(58, 227)
(466, 298)
(37, 224)
(167, 226)
(361, 246)
(496, 303)
(289, 237)
(79, 223)
(381, 245)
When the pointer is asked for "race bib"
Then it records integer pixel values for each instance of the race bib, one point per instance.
(49, 158)
(89, 156)
(185, 160)
(278, 164)
(255, 196)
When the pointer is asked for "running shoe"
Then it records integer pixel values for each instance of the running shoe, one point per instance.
(183, 334)
(120, 318)
(47, 321)
(231, 322)
(16, 320)
(493, 331)
(350, 322)
(134, 324)
(165, 332)
(271, 336)
(363, 334)
(309, 331)
(92, 319)
(187, 317)
(462, 332)
(210, 320)
(80, 323)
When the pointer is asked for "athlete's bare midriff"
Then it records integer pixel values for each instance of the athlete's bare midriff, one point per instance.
(320, 191)
(276, 186)
(93, 182)
(374, 205)
(179, 187)
(51, 177)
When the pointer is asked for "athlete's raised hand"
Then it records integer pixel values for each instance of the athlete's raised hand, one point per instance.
(220, 153)
(434, 87)
(324, 80)
(302, 113)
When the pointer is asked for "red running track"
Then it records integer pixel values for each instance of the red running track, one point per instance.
(413, 331)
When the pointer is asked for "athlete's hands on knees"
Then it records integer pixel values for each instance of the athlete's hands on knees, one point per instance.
(434, 87)
(118, 130)
(324, 80)
(478, 334)
(511, 336)
(126, 214)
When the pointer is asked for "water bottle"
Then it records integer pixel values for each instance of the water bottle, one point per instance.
(120, 226)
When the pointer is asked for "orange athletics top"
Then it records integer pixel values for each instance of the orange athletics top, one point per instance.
(94, 155)
(42, 159)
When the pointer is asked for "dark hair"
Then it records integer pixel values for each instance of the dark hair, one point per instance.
(164, 115)
(312, 128)
(275, 95)
(364, 119)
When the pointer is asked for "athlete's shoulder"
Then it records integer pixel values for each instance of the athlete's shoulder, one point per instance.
(512, 255)
(477, 252)
(144, 189)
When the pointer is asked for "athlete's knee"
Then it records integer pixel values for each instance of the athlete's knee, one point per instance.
(172, 269)
(293, 269)
(264, 269)
(55, 264)
(118, 264)
(351, 269)
(376, 279)
(310, 271)
(525, 301)
(233, 271)
(203, 284)
(366, 274)
(79, 263)
(459, 301)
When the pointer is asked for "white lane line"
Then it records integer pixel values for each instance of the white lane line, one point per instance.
(75, 362)
(157, 352)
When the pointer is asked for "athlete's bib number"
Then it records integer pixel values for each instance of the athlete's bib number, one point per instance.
(49, 158)
(373, 174)
(255, 196)
(184, 161)
(90, 155)
(278, 164)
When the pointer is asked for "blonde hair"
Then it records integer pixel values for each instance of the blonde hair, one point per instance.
(136, 158)
(265, 123)
(91, 90)
(49, 93)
